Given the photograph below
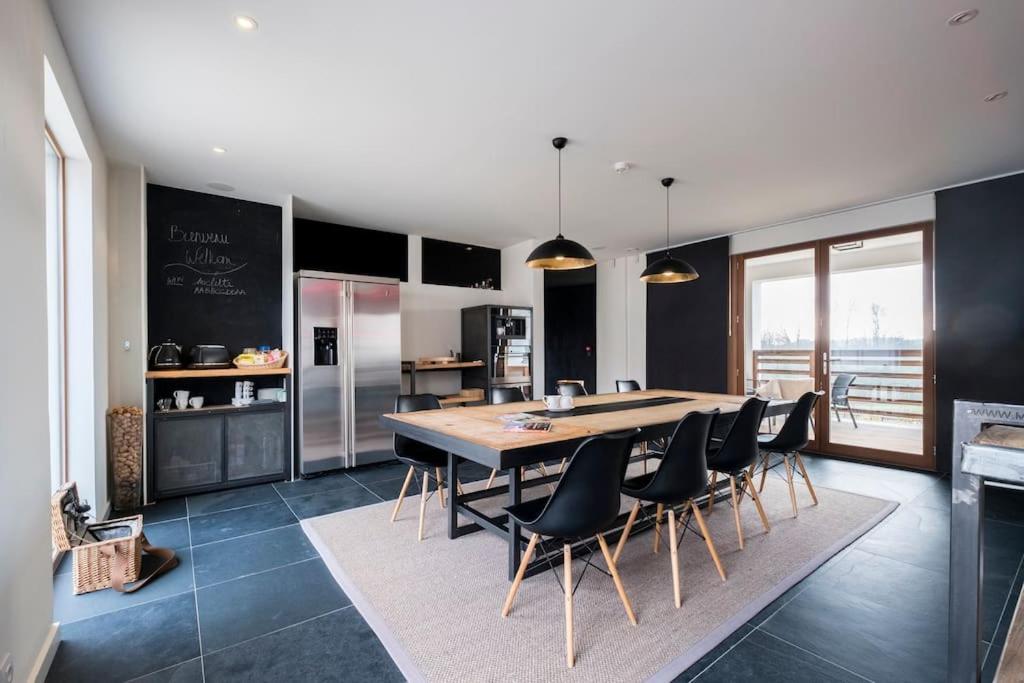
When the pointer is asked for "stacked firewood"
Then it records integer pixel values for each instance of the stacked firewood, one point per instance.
(126, 455)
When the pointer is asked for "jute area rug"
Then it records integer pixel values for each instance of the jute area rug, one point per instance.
(436, 604)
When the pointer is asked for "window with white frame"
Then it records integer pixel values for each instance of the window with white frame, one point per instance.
(56, 309)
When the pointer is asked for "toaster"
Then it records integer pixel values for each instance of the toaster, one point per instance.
(209, 356)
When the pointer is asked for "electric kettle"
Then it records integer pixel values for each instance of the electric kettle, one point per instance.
(166, 356)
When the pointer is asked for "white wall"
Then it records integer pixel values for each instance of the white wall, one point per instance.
(883, 215)
(86, 263)
(25, 585)
(621, 322)
(126, 192)
(432, 318)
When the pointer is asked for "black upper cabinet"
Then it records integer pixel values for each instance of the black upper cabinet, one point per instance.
(460, 265)
(345, 249)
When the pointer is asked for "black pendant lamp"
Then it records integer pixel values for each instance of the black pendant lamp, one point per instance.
(560, 253)
(668, 269)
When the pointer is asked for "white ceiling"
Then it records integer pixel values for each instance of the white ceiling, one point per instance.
(435, 118)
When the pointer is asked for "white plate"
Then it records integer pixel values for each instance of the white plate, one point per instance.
(559, 410)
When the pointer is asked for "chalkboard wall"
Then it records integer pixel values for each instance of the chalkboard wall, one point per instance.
(214, 269)
(979, 320)
(688, 322)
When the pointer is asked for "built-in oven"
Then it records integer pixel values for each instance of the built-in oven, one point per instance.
(511, 365)
(510, 327)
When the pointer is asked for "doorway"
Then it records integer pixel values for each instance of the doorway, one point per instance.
(570, 327)
(850, 316)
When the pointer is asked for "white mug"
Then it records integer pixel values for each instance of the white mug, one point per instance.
(196, 401)
(553, 401)
(565, 402)
(181, 399)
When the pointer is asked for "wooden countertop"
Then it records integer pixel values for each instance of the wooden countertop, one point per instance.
(427, 367)
(222, 372)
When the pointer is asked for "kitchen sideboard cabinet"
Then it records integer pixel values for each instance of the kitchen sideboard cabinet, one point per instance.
(218, 446)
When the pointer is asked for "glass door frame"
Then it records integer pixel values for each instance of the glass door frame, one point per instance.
(819, 369)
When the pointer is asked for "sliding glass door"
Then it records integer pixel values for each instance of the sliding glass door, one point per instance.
(852, 317)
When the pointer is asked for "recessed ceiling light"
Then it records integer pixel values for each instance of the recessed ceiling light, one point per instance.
(219, 150)
(961, 18)
(222, 187)
(246, 23)
(996, 96)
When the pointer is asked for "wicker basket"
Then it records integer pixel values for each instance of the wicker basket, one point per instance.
(92, 561)
(279, 363)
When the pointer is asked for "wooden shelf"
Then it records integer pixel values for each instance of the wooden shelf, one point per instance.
(213, 410)
(223, 372)
(428, 367)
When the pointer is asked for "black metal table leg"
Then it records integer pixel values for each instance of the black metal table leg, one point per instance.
(453, 495)
(515, 496)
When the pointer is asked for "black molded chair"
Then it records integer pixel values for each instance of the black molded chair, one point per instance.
(420, 457)
(585, 503)
(626, 385)
(791, 439)
(681, 477)
(734, 457)
(571, 388)
(841, 395)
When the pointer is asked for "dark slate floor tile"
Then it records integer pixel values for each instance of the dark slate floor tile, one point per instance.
(708, 659)
(225, 560)
(890, 484)
(916, 535)
(324, 482)
(335, 647)
(1005, 505)
(878, 617)
(128, 643)
(65, 564)
(258, 604)
(389, 489)
(162, 511)
(760, 657)
(186, 672)
(231, 523)
(938, 496)
(378, 472)
(68, 607)
(173, 534)
(331, 501)
(218, 501)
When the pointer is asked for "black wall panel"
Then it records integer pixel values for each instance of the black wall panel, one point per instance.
(460, 265)
(570, 327)
(688, 322)
(214, 269)
(979, 299)
(345, 249)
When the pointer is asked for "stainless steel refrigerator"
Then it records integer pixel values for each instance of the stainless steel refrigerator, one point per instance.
(348, 348)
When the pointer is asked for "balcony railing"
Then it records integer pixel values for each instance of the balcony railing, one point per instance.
(889, 383)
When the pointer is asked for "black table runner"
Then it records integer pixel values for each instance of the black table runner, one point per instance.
(609, 407)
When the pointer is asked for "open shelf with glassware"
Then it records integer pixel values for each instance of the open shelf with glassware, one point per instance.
(216, 445)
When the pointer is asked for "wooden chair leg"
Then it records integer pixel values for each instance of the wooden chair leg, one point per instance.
(490, 479)
(625, 531)
(520, 573)
(789, 481)
(711, 492)
(458, 487)
(423, 503)
(401, 495)
(707, 538)
(807, 480)
(764, 471)
(570, 651)
(757, 502)
(561, 467)
(674, 548)
(440, 487)
(736, 509)
(614, 569)
(657, 527)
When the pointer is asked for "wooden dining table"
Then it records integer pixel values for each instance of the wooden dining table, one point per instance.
(477, 434)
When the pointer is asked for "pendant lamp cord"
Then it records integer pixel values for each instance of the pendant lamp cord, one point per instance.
(668, 251)
(559, 192)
